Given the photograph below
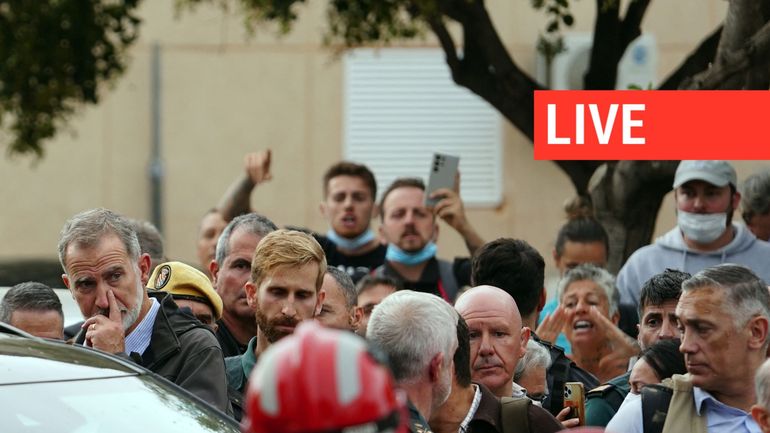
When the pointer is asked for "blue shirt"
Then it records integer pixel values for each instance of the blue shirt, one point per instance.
(561, 339)
(139, 339)
(720, 418)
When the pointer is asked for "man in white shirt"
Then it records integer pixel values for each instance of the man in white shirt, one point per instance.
(723, 316)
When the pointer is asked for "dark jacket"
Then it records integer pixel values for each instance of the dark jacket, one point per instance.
(488, 416)
(185, 352)
(561, 371)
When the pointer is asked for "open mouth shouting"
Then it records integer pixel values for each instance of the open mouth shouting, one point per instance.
(348, 221)
(582, 326)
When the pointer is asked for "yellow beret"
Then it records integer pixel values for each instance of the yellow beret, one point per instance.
(179, 278)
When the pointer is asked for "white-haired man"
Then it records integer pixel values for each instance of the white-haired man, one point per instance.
(103, 268)
(418, 332)
(723, 315)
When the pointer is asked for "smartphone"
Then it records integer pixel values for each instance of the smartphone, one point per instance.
(443, 171)
(574, 398)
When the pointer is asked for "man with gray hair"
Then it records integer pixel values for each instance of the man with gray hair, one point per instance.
(150, 242)
(34, 308)
(761, 410)
(230, 271)
(104, 269)
(723, 315)
(339, 308)
(755, 205)
(531, 371)
(418, 332)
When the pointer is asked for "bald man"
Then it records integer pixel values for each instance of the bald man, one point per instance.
(497, 338)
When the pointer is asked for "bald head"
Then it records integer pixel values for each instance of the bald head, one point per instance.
(496, 336)
(488, 300)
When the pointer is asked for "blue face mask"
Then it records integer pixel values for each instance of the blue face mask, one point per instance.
(396, 254)
(351, 244)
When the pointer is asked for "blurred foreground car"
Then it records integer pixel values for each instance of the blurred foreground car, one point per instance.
(48, 387)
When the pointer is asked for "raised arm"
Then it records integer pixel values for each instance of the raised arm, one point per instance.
(451, 209)
(237, 199)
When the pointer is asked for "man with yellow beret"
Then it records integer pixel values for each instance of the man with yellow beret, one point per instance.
(190, 288)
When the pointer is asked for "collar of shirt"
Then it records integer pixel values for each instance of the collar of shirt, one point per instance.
(472, 410)
(703, 397)
(720, 415)
(249, 358)
(139, 339)
(518, 391)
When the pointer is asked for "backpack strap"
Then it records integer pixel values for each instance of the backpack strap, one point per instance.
(515, 414)
(448, 280)
(559, 370)
(655, 402)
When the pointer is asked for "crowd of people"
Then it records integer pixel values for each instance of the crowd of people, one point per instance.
(291, 331)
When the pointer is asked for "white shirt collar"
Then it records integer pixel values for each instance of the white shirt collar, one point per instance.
(472, 411)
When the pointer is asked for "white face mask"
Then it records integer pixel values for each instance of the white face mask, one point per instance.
(702, 228)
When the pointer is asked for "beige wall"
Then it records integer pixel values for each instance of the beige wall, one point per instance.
(225, 93)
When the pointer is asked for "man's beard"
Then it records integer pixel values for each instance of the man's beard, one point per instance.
(269, 327)
(128, 316)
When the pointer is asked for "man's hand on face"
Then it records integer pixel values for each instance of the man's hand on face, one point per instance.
(106, 332)
(257, 165)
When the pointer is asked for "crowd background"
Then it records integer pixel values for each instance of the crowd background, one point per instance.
(224, 94)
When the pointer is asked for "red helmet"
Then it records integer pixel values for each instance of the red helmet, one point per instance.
(322, 380)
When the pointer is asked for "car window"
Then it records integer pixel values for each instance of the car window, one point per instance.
(115, 405)
(69, 307)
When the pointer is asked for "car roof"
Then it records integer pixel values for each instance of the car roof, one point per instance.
(28, 359)
(69, 307)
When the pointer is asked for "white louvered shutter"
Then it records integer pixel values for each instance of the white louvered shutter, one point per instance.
(401, 105)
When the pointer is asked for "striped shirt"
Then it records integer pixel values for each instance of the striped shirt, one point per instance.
(139, 339)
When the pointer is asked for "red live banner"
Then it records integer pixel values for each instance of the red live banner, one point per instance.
(650, 124)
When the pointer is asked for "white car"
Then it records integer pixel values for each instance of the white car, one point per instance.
(50, 386)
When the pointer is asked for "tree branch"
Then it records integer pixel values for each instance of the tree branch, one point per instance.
(631, 27)
(744, 19)
(697, 61)
(602, 71)
(447, 44)
(755, 52)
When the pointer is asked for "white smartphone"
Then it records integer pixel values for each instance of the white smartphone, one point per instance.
(443, 170)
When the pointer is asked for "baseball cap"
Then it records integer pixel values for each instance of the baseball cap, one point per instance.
(717, 173)
(184, 281)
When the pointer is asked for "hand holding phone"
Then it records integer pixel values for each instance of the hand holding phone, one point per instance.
(443, 172)
(574, 398)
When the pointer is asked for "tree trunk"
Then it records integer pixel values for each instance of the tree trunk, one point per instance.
(627, 196)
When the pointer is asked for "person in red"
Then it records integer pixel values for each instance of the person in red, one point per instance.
(322, 380)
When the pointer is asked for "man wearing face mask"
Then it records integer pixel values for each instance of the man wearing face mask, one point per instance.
(410, 228)
(706, 199)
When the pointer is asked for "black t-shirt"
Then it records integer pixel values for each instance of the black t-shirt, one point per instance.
(430, 277)
(355, 266)
(230, 346)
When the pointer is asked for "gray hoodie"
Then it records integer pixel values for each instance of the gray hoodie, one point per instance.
(670, 251)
